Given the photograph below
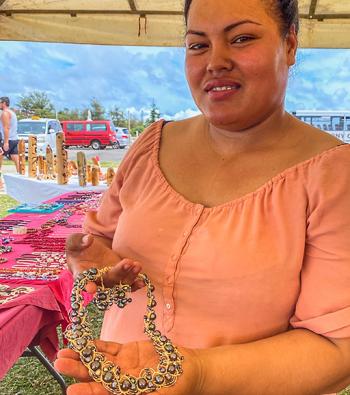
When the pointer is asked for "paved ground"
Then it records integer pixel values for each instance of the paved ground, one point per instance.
(108, 154)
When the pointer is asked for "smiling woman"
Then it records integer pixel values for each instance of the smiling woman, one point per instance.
(237, 220)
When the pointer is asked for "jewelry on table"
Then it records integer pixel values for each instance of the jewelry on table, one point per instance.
(101, 370)
(7, 294)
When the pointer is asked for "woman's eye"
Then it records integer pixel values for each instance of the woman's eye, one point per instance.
(197, 46)
(241, 39)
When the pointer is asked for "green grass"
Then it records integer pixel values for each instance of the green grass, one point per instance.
(6, 203)
(110, 164)
(29, 377)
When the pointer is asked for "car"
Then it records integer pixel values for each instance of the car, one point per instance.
(97, 134)
(123, 137)
(45, 130)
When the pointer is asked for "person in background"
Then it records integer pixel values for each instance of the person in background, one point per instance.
(9, 136)
(241, 219)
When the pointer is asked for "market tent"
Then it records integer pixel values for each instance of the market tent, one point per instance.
(324, 23)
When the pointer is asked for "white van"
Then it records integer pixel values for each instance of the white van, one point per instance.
(44, 129)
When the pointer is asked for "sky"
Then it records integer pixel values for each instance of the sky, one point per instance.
(131, 78)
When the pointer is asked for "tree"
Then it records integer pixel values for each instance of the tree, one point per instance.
(117, 116)
(154, 114)
(36, 103)
(97, 110)
(68, 114)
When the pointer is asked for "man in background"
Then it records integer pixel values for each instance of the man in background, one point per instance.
(9, 136)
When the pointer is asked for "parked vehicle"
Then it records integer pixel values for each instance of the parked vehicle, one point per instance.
(123, 137)
(44, 129)
(94, 134)
(336, 123)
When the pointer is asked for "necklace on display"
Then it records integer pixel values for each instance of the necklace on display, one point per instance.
(101, 370)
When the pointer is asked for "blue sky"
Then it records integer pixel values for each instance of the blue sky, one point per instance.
(131, 77)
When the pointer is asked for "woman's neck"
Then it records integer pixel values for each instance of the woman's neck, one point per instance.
(263, 136)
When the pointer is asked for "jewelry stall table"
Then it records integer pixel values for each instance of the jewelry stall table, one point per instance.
(35, 286)
(32, 190)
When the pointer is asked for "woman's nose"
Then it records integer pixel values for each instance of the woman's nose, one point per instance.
(220, 58)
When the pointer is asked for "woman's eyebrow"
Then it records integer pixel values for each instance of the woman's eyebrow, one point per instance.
(226, 29)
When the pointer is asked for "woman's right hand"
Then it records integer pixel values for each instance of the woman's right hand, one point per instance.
(85, 251)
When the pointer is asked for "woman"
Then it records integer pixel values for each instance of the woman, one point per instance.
(237, 219)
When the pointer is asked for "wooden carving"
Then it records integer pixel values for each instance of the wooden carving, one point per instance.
(32, 156)
(81, 159)
(88, 173)
(110, 175)
(22, 156)
(50, 163)
(95, 175)
(62, 156)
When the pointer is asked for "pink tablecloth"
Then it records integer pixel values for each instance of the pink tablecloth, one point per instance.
(32, 318)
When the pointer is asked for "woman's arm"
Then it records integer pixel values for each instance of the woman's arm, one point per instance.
(298, 362)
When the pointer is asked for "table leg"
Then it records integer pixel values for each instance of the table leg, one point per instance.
(33, 351)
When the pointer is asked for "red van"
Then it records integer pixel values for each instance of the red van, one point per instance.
(94, 134)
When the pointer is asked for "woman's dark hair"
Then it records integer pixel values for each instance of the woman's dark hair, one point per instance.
(285, 10)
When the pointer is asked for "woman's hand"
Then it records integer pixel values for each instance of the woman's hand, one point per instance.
(132, 358)
(85, 251)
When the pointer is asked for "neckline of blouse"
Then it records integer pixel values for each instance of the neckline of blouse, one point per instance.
(276, 178)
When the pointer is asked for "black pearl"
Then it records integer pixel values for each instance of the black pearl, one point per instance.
(171, 369)
(141, 384)
(108, 377)
(87, 352)
(169, 347)
(95, 365)
(168, 377)
(125, 385)
(173, 357)
(159, 379)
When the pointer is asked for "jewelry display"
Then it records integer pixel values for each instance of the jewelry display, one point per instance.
(101, 370)
(19, 230)
(7, 294)
(32, 273)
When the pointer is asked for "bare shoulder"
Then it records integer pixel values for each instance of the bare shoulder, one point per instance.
(181, 131)
(182, 125)
(314, 141)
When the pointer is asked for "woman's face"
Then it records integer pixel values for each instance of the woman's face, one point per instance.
(237, 62)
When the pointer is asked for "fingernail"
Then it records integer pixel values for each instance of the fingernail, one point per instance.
(135, 270)
(85, 239)
(127, 266)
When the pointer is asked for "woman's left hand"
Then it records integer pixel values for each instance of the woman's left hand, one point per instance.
(132, 358)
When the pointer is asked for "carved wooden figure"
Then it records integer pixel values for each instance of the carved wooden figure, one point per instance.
(50, 163)
(88, 173)
(81, 159)
(22, 156)
(95, 175)
(41, 165)
(32, 156)
(110, 175)
(62, 165)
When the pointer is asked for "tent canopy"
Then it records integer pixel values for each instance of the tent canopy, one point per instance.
(324, 23)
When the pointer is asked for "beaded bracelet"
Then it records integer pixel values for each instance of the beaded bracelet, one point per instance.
(101, 370)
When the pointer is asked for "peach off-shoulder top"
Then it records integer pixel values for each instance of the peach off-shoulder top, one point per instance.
(276, 258)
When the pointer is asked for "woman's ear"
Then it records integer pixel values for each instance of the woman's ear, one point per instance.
(291, 45)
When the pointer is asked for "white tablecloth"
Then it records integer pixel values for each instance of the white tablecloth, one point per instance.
(31, 190)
